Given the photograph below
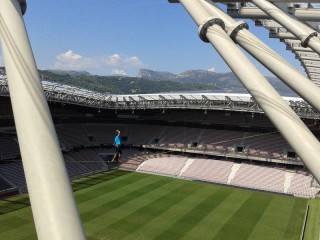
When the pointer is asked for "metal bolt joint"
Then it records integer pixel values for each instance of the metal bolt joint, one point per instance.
(305, 40)
(23, 6)
(203, 29)
(232, 32)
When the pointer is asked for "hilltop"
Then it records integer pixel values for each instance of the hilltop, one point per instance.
(120, 84)
(149, 81)
(227, 82)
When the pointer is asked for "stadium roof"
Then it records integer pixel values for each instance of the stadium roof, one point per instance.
(206, 101)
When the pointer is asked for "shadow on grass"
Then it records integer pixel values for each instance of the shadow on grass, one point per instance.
(14, 203)
(96, 179)
(22, 201)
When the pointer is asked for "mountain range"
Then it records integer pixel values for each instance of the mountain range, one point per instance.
(227, 82)
(149, 81)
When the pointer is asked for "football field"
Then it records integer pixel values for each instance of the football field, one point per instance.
(128, 205)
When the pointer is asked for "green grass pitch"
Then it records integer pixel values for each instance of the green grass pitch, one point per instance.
(128, 205)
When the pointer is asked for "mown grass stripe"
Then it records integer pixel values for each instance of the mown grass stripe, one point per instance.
(143, 215)
(113, 184)
(118, 214)
(274, 220)
(26, 232)
(118, 202)
(294, 225)
(149, 212)
(15, 221)
(108, 188)
(96, 179)
(219, 216)
(163, 221)
(14, 203)
(110, 198)
(245, 219)
(105, 219)
(190, 219)
(313, 223)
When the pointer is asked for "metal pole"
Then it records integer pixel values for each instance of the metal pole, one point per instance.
(266, 56)
(309, 14)
(52, 201)
(305, 34)
(281, 115)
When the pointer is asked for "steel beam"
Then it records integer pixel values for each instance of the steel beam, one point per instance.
(299, 48)
(313, 70)
(281, 35)
(304, 33)
(316, 59)
(308, 63)
(314, 76)
(267, 57)
(52, 201)
(309, 14)
(211, 29)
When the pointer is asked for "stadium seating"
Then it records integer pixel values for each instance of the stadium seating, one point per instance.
(260, 177)
(90, 159)
(13, 171)
(208, 170)
(249, 144)
(74, 135)
(4, 185)
(221, 134)
(254, 176)
(8, 147)
(163, 165)
(301, 185)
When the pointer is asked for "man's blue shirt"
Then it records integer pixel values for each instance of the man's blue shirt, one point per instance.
(117, 140)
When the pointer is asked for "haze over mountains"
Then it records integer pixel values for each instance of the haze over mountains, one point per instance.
(227, 82)
(149, 81)
(218, 82)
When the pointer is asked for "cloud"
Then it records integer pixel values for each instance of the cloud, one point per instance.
(119, 72)
(115, 63)
(211, 69)
(124, 61)
(73, 61)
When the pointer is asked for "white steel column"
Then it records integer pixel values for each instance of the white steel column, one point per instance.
(305, 34)
(52, 201)
(267, 57)
(281, 115)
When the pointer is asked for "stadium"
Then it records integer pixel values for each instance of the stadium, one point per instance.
(194, 165)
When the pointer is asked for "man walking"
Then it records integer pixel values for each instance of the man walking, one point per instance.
(117, 144)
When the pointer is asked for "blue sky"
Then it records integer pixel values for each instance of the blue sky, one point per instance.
(108, 37)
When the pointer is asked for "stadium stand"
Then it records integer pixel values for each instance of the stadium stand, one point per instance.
(72, 134)
(301, 185)
(133, 158)
(159, 137)
(220, 140)
(253, 176)
(102, 133)
(208, 170)
(4, 185)
(9, 147)
(5, 108)
(266, 145)
(90, 159)
(143, 134)
(163, 165)
(260, 177)
(13, 171)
